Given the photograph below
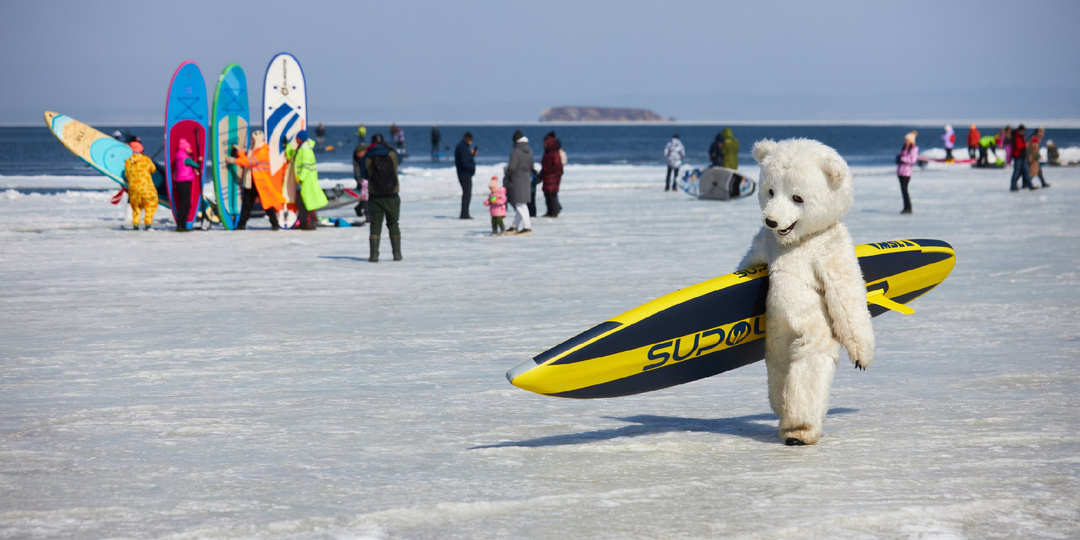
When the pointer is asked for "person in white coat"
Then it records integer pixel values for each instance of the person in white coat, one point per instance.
(674, 152)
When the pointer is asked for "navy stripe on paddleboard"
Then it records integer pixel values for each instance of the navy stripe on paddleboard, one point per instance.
(575, 341)
(724, 306)
(875, 267)
(932, 243)
(675, 374)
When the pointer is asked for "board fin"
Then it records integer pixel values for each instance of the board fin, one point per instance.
(877, 297)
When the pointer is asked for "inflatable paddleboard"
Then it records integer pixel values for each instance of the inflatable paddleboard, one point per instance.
(284, 115)
(185, 118)
(229, 126)
(103, 153)
(718, 184)
(711, 327)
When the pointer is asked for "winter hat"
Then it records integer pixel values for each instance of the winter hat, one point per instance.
(377, 139)
(137, 147)
(184, 145)
(948, 127)
(494, 184)
(910, 137)
(301, 136)
(518, 135)
(972, 126)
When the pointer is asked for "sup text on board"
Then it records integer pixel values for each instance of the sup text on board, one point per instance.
(707, 341)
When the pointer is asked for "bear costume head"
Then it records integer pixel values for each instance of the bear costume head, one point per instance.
(805, 187)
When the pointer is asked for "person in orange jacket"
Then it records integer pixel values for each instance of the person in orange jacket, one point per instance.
(973, 141)
(257, 161)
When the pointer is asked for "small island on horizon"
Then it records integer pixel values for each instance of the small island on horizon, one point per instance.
(599, 114)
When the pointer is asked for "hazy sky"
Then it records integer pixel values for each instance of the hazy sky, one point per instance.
(461, 60)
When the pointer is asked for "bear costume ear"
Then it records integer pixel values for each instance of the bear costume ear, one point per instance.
(762, 149)
(835, 170)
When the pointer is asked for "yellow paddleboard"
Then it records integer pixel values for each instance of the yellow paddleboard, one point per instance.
(711, 327)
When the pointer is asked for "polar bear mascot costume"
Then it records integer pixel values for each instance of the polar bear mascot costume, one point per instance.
(817, 295)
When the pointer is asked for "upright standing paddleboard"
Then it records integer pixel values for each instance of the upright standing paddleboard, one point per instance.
(229, 126)
(100, 151)
(712, 327)
(185, 118)
(284, 115)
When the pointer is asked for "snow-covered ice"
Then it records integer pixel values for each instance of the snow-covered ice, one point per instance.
(276, 385)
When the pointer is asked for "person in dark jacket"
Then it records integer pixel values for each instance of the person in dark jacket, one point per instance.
(465, 162)
(436, 140)
(1020, 162)
(380, 165)
(716, 156)
(518, 182)
(551, 171)
(730, 150)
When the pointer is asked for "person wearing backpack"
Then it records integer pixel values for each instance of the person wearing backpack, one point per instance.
(381, 164)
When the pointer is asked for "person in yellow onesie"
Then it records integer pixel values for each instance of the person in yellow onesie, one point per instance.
(142, 195)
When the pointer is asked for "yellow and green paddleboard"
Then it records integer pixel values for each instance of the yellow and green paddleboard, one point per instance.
(711, 327)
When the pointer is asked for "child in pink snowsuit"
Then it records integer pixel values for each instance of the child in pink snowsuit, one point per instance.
(497, 202)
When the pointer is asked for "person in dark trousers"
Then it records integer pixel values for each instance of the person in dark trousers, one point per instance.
(361, 178)
(674, 152)
(1019, 158)
(465, 163)
(1034, 169)
(905, 164)
(320, 137)
(551, 171)
(381, 165)
(716, 156)
(973, 141)
(436, 140)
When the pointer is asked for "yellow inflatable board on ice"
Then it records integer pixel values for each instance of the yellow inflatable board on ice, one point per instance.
(712, 327)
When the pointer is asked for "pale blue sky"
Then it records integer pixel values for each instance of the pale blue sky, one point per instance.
(111, 60)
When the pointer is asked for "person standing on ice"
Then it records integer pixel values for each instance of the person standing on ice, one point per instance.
(950, 141)
(716, 151)
(730, 150)
(518, 181)
(1020, 162)
(973, 140)
(551, 171)
(257, 181)
(381, 165)
(184, 176)
(465, 163)
(905, 164)
(496, 202)
(360, 175)
(301, 153)
(674, 152)
(1006, 141)
(1033, 157)
(142, 195)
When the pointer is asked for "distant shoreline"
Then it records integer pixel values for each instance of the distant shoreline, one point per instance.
(1060, 123)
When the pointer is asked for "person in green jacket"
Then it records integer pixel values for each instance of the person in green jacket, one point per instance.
(730, 149)
(312, 197)
(987, 142)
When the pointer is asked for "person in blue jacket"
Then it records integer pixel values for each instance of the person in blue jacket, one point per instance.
(465, 162)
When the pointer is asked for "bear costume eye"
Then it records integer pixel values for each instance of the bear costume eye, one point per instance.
(770, 193)
(797, 199)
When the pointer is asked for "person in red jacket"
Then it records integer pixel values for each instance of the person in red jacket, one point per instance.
(551, 170)
(973, 141)
(1019, 159)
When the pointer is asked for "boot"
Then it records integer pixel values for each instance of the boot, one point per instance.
(373, 242)
(395, 244)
